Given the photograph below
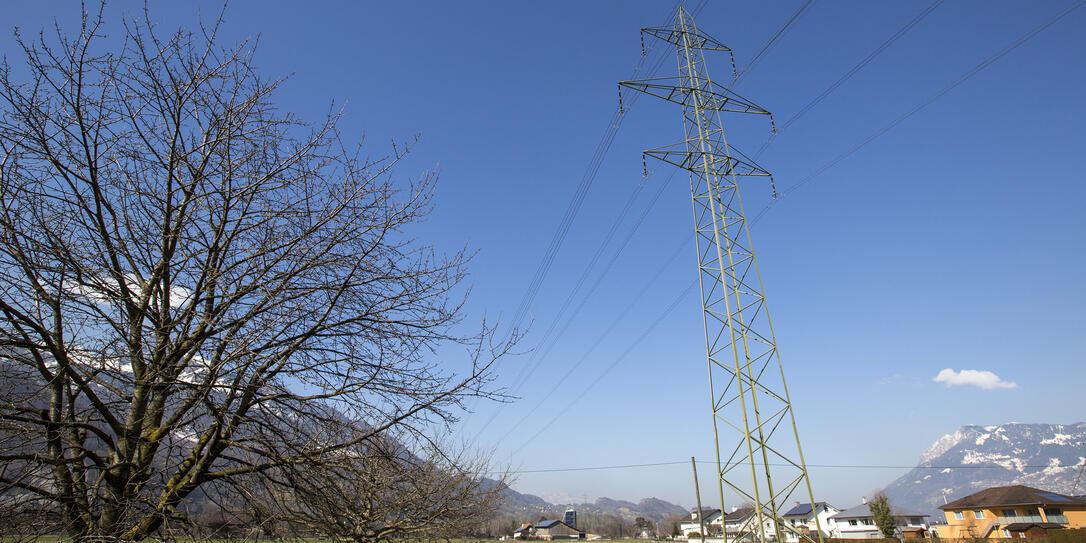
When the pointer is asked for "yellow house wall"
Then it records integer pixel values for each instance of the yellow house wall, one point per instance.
(1076, 518)
(955, 529)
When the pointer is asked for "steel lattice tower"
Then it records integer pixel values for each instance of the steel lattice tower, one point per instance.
(757, 443)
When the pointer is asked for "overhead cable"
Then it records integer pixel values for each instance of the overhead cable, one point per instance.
(587, 178)
(530, 367)
(924, 103)
(600, 337)
(641, 337)
(772, 42)
(552, 251)
(833, 466)
(847, 75)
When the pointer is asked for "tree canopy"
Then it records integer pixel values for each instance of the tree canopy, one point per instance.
(197, 287)
(881, 511)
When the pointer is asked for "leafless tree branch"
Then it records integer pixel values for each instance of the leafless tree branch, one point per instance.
(197, 287)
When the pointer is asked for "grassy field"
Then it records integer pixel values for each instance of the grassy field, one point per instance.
(63, 539)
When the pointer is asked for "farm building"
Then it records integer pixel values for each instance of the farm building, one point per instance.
(555, 529)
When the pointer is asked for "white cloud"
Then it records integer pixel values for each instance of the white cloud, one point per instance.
(979, 378)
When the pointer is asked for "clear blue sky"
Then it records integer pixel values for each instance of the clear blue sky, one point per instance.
(954, 241)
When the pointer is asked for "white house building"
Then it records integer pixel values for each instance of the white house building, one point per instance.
(858, 523)
(802, 519)
(741, 524)
(713, 523)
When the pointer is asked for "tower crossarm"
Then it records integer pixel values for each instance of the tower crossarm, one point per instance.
(687, 37)
(683, 91)
(719, 162)
(694, 38)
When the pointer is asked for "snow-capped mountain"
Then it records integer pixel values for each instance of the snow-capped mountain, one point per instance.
(1045, 456)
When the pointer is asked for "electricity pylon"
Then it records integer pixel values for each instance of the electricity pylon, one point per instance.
(758, 453)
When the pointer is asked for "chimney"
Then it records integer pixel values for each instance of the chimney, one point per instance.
(865, 499)
(797, 504)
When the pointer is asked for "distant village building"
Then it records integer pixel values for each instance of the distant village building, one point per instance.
(571, 518)
(858, 523)
(550, 530)
(1006, 512)
(524, 532)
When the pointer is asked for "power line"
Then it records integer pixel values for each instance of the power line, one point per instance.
(589, 176)
(567, 321)
(750, 65)
(532, 367)
(924, 103)
(671, 307)
(772, 42)
(535, 353)
(572, 210)
(848, 75)
(601, 337)
(599, 279)
(984, 64)
(833, 466)
(534, 359)
(556, 321)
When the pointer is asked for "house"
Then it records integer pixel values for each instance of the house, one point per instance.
(742, 524)
(802, 519)
(524, 532)
(1011, 512)
(550, 530)
(738, 521)
(692, 525)
(858, 523)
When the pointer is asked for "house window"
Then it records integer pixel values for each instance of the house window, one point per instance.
(1006, 532)
(978, 514)
(958, 515)
(867, 522)
(1009, 513)
(852, 522)
(1052, 511)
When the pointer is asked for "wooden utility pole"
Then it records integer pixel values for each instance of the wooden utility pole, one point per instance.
(697, 495)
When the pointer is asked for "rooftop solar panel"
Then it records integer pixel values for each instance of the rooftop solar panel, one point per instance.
(1053, 497)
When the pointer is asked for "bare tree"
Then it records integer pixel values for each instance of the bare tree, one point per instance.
(381, 490)
(196, 287)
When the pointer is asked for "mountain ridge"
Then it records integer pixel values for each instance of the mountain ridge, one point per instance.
(1046, 456)
(651, 508)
